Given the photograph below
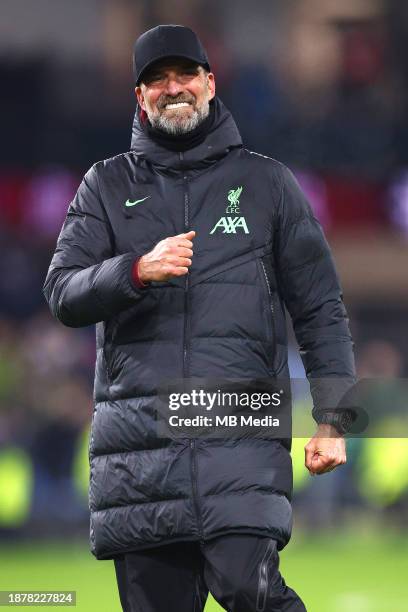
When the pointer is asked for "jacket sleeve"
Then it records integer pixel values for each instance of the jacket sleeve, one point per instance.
(311, 291)
(85, 284)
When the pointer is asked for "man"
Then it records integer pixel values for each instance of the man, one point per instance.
(184, 251)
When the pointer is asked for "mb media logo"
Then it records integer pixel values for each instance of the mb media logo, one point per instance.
(230, 225)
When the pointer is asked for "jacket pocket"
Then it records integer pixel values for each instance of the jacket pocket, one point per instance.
(269, 310)
(107, 350)
(227, 265)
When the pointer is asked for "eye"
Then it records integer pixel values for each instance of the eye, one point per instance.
(188, 74)
(153, 78)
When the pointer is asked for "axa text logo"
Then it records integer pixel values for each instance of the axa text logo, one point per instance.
(230, 225)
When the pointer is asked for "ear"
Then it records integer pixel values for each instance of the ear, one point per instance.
(140, 97)
(211, 85)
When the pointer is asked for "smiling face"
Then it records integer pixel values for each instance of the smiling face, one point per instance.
(175, 95)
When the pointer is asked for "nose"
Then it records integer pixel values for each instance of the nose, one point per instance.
(173, 86)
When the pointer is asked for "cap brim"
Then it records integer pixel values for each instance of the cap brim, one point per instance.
(164, 56)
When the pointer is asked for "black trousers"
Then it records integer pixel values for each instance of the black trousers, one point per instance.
(241, 571)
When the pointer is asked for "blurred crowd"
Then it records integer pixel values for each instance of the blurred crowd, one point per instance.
(318, 84)
(315, 83)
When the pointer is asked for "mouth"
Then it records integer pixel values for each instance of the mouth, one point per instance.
(174, 105)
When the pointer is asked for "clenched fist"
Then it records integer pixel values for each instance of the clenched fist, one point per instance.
(325, 451)
(170, 257)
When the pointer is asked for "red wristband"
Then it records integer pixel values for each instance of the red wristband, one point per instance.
(135, 275)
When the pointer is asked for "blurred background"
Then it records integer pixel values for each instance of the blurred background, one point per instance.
(320, 85)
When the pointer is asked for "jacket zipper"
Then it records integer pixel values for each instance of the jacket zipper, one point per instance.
(272, 310)
(263, 578)
(186, 286)
(193, 466)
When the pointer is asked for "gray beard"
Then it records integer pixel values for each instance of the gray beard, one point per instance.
(179, 126)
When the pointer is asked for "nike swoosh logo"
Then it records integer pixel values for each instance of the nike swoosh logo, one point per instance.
(129, 203)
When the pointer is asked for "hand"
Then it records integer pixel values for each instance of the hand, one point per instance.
(170, 257)
(325, 451)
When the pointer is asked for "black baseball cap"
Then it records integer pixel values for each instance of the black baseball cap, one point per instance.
(167, 41)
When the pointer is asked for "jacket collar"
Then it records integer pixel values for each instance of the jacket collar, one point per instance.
(222, 136)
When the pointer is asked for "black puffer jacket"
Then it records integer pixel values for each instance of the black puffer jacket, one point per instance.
(254, 251)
